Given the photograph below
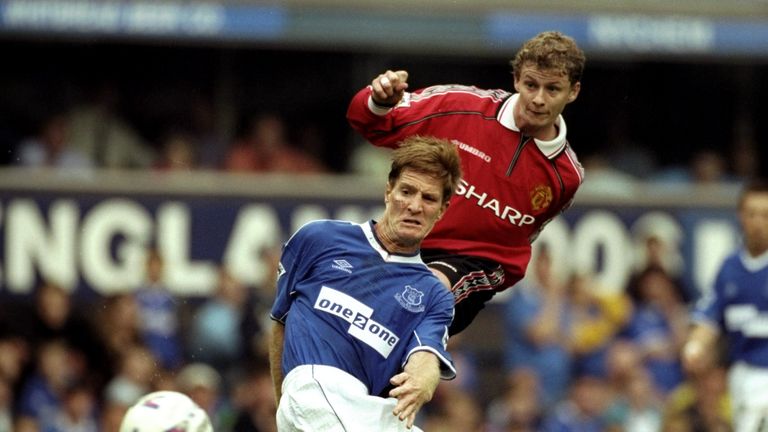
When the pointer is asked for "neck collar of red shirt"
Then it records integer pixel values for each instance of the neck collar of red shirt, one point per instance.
(550, 148)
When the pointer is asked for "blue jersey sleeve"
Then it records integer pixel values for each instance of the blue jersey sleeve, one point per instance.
(293, 262)
(432, 333)
(709, 309)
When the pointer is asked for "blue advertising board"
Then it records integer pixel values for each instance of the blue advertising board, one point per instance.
(95, 242)
(489, 29)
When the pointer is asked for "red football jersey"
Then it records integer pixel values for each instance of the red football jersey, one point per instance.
(512, 185)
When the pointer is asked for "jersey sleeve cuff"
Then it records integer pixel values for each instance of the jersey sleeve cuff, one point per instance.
(378, 109)
(447, 370)
(703, 320)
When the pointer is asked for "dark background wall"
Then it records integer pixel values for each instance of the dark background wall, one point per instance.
(669, 107)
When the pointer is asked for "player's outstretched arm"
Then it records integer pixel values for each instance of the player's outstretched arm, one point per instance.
(276, 358)
(699, 349)
(416, 385)
(389, 87)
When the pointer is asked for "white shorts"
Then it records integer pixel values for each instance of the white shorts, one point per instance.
(326, 399)
(748, 387)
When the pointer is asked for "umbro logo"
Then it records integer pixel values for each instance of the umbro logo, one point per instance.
(472, 150)
(343, 265)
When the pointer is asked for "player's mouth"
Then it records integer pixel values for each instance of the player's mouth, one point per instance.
(537, 113)
(412, 222)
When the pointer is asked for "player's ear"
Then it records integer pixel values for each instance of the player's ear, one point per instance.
(516, 83)
(574, 93)
(387, 191)
(443, 209)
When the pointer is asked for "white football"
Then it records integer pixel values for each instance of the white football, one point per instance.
(165, 411)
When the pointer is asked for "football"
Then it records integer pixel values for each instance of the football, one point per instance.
(165, 411)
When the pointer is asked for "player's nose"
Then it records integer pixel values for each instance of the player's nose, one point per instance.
(416, 204)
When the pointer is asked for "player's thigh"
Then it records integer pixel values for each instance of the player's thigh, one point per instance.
(325, 399)
(749, 400)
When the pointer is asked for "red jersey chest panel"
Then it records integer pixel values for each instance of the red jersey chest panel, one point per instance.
(512, 193)
(509, 188)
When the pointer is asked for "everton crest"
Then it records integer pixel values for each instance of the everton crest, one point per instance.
(410, 299)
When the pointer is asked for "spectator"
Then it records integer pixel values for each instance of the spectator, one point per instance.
(50, 148)
(178, 153)
(159, 322)
(134, 378)
(77, 412)
(117, 321)
(52, 316)
(644, 403)
(622, 360)
(205, 387)
(265, 148)
(658, 253)
(43, 392)
(254, 400)
(98, 131)
(215, 336)
(464, 359)
(659, 327)
(255, 341)
(14, 355)
(519, 408)
(453, 410)
(368, 160)
(606, 180)
(638, 404)
(537, 319)
(744, 150)
(701, 403)
(584, 410)
(706, 167)
(6, 404)
(209, 143)
(598, 315)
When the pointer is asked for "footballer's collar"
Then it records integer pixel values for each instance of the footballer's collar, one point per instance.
(551, 148)
(753, 263)
(373, 240)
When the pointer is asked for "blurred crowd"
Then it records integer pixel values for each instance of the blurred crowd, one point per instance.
(574, 356)
(71, 366)
(580, 357)
(92, 133)
(95, 135)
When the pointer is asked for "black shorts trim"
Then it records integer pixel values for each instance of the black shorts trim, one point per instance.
(473, 281)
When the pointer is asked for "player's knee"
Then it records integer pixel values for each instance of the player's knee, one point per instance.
(442, 277)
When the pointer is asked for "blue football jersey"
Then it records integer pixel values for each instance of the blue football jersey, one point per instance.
(348, 303)
(738, 306)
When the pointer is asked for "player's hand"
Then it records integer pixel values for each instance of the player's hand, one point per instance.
(389, 87)
(411, 396)
(415, 386)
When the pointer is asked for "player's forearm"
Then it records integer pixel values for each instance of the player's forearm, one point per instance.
(370, 125)
(276, 358)
(416, 385)
(427, 366)
(360, 116)
(699, 347)
(702, 334)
